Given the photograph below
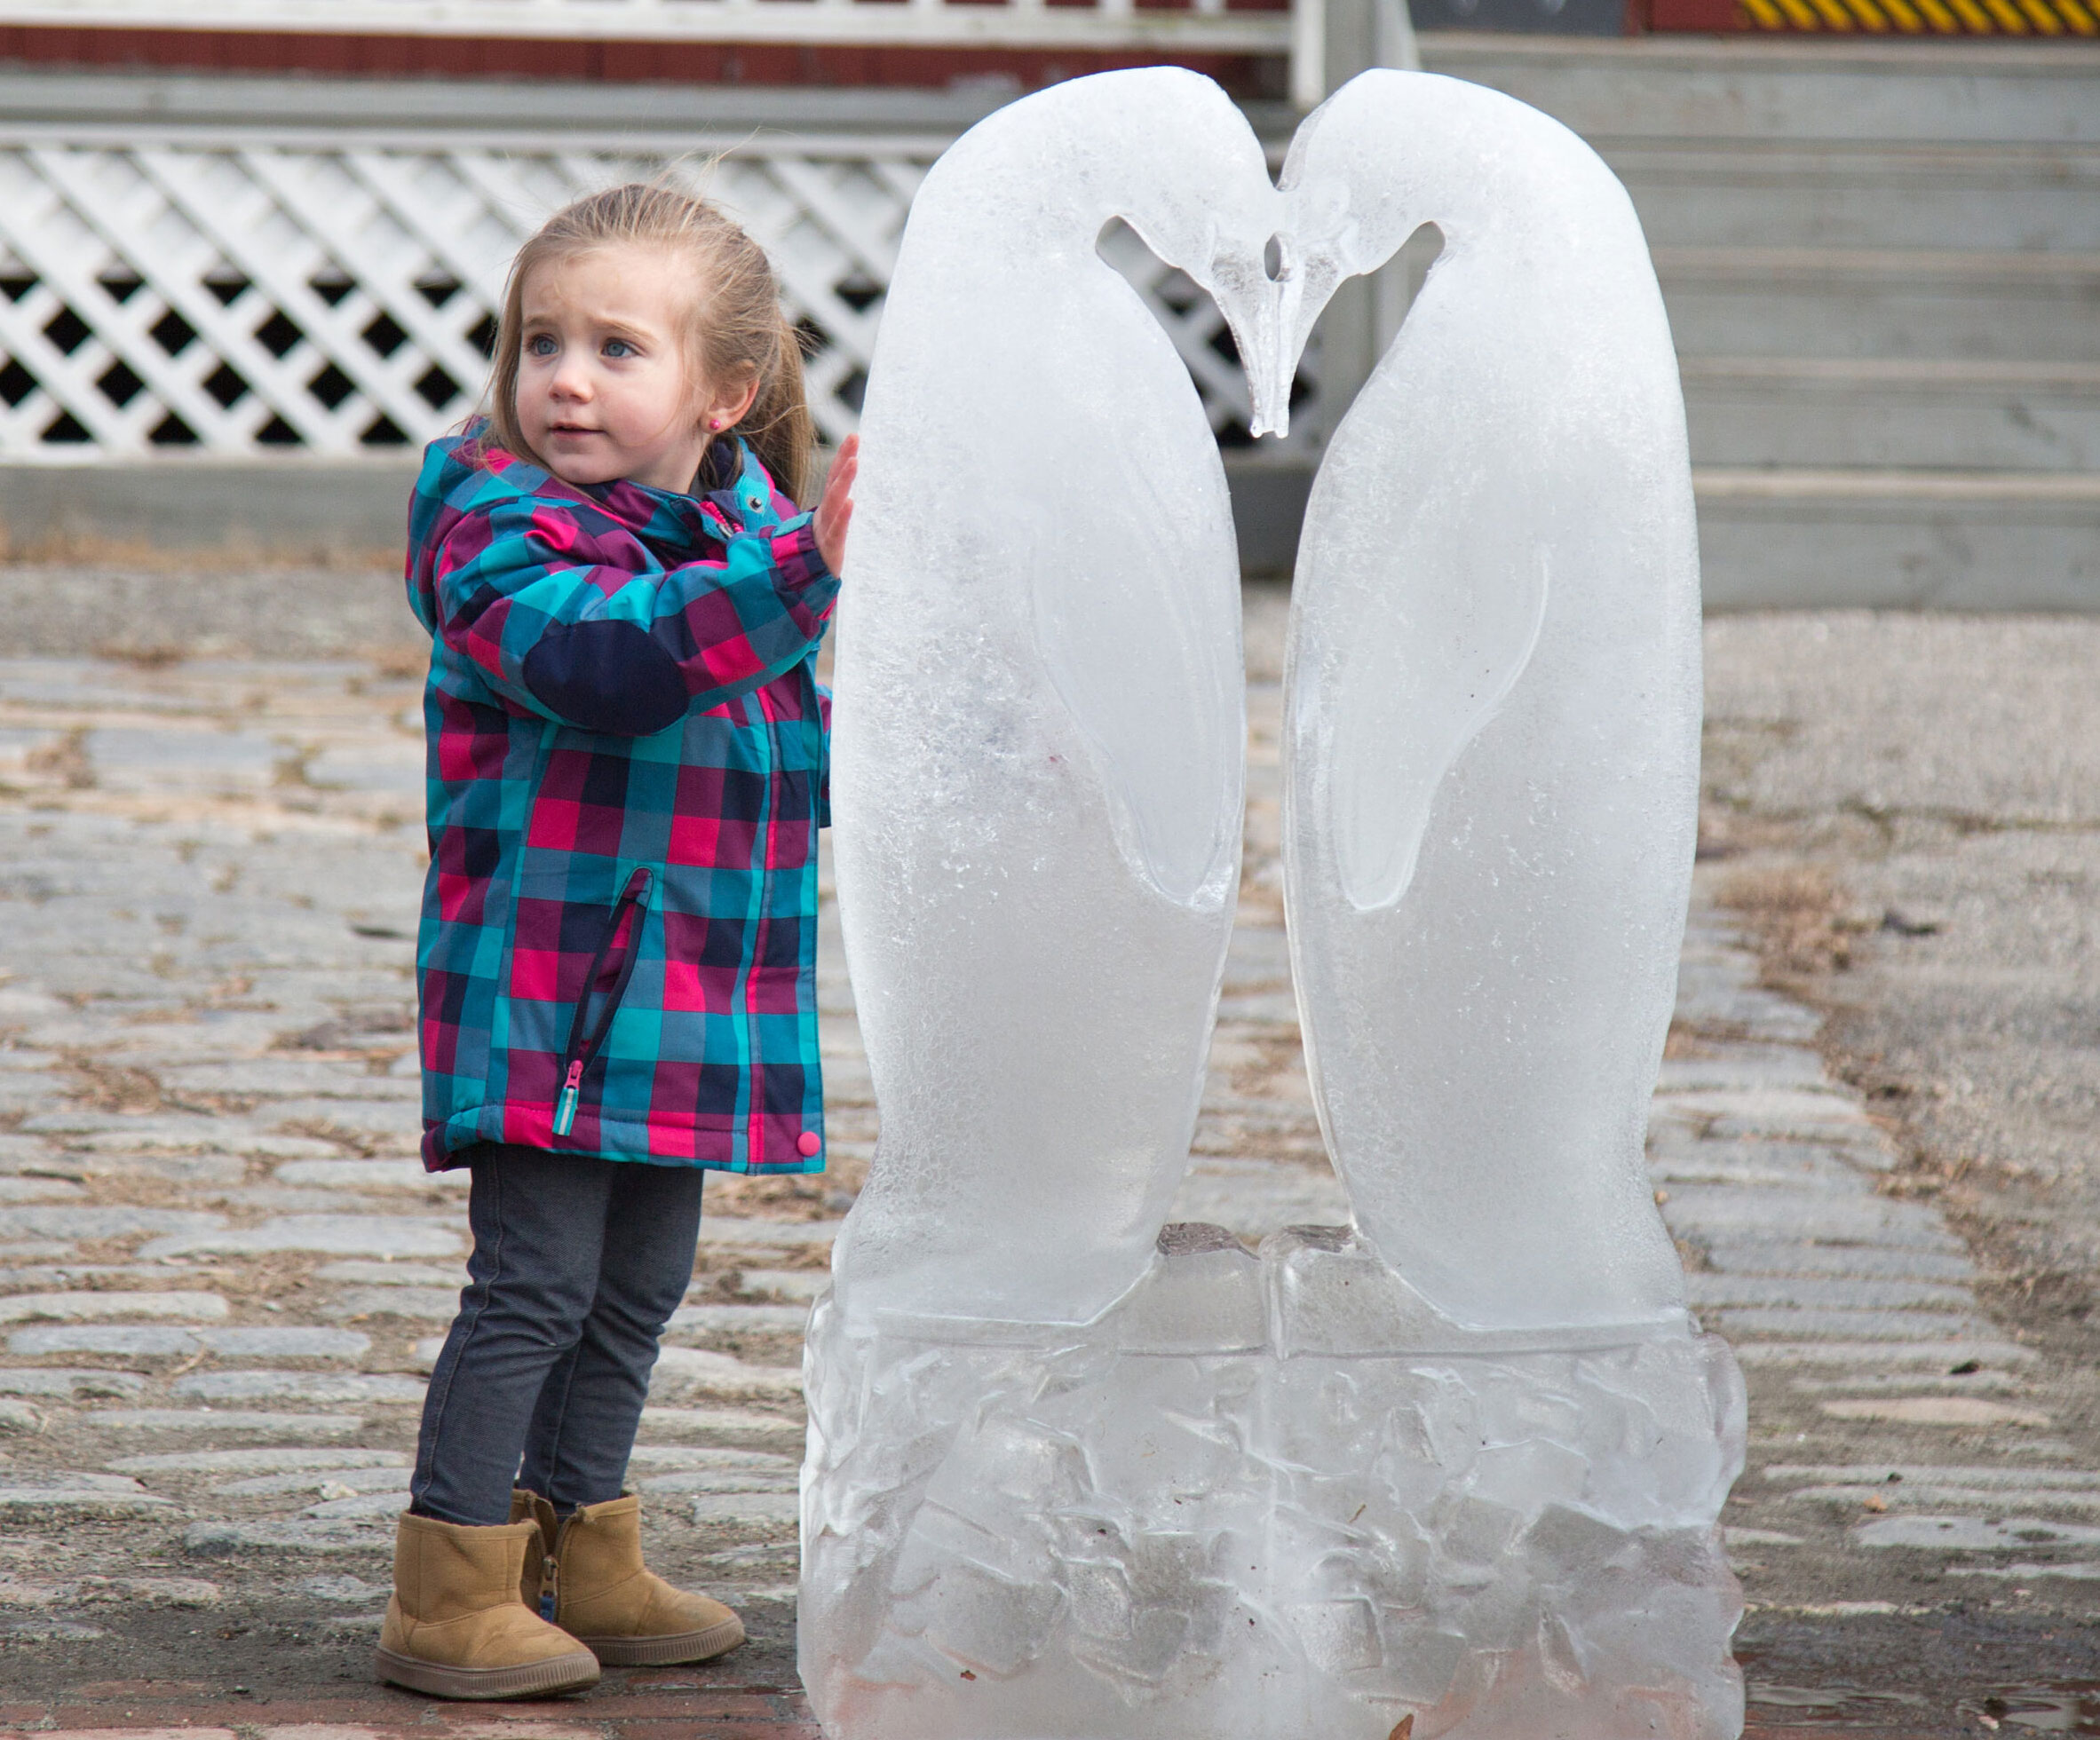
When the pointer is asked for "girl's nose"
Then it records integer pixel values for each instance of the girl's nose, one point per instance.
(571, 379)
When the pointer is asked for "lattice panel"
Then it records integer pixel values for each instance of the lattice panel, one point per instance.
(236, 298)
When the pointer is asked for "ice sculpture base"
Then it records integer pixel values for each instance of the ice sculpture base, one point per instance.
(1229, 1507)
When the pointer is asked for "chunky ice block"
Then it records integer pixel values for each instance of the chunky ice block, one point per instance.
(1218, 1513)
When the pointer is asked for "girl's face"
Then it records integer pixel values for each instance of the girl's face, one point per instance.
(605, 388)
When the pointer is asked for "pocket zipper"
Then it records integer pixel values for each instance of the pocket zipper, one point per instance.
(583, 1046)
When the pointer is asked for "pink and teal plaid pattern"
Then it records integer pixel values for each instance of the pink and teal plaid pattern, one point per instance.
(626, 777)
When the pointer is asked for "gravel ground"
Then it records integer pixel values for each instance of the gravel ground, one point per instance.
(210, 608)
(1913, 803)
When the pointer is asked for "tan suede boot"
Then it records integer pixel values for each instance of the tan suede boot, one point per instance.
(625, 1614)
(456, 1628)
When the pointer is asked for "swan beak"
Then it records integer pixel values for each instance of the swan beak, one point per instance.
(1268, 350)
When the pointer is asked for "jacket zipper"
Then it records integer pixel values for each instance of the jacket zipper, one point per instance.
(583, 1044)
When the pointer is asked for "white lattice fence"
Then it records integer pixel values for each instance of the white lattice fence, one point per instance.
(232, 297)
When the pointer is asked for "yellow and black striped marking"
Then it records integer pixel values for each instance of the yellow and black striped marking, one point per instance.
(1945, 18)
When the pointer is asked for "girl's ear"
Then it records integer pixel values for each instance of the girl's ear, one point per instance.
(729, 406)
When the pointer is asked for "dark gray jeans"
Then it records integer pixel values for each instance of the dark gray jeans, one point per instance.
(578, 1264)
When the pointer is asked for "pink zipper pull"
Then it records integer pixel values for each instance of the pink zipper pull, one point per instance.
(564, 1108)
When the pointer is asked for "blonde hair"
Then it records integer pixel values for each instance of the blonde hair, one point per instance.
(736, 329)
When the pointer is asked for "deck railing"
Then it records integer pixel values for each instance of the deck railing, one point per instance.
(215, 294)
(1228, 27)
(310, 285)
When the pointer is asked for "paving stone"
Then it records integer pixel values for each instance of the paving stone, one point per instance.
(1870, 1354)
(1739, 1068)
(32, 1249)
(264, 1536)
(394, 768)
(18, 1417)
(76, 1494)
(1277, 1010)
(722, 1479)
(373, 1176)
(206, 1134)
(1969, 1411)
(257, 1462)
(105, 1223)
(126, 759)
(398, 1121)
(285, 1077)
(301, 1385)
(1722, 1171)
(1994, 1476)
(1709, 1292)
(1971, 1534)
(327, 1481)
(1795, 1164)
(726, 1232)
(276, 1200)
(1770, 1255)
(1721, 995)
(431, 1304)
(1725, 1210)
(2080, 1571)
(686, 1372)
(716, 1319)
(1868, 1325)
(685, 1457)
(801, 1286)
(748, 1510)
(288, 1342)
(18, 1188)
(721, 1423)
(77, 1306)
(73, 1120)
(1786, 1114)
(67, 1384)
(1936, 1494)
(340, 1586)
(211, 1422)
(394, 1274)
(1925, 1382)
(364, 1506)
(347, 1235)
(177, 1168)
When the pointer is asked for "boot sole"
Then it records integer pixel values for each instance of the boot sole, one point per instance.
(560, 1673)
(698, 1645)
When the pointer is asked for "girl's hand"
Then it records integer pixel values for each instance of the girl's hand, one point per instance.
(834, 512)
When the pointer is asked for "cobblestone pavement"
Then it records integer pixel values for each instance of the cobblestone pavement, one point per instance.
(222, 1270)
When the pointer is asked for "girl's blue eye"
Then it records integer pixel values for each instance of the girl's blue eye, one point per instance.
(539, 345)
(618, 347)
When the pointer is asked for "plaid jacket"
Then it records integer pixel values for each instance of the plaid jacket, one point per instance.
(626, 771)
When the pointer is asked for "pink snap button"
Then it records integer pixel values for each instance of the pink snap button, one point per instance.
(809, 1141)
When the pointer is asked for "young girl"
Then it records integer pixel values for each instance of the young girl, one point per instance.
(616, 966)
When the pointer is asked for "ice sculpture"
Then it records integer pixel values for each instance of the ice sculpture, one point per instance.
(1039, 727)
(1456, 1469)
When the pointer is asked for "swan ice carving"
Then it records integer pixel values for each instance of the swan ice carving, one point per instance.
(1070, 1472)
(1040, 723)
(1493, 707)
